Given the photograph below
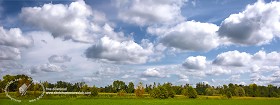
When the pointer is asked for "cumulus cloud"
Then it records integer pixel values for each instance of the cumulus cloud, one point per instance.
(14, 38)
(46, 68)
(122, 52)
(152, 72)
(9, 53)
(189, 35)
(217, 70)
(233, 58)
(59, 59)
(76, 21)
(257, 24)
(197, 63)
(150, 12)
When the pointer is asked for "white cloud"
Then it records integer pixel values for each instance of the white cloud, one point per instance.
(14, 38)
(125, 52)
(197, 63)
(76, 21)
(217, 70)
(189, 35)
(149, 12)
(46, 68)
(59, 59)
(257, 24)
(233, 58)
(9, 53)
(10, 43)
(152, 72)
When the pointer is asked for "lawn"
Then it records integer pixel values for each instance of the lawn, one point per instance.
(74, 101)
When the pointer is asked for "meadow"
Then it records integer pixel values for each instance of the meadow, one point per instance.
(111, 99)
(146, 102)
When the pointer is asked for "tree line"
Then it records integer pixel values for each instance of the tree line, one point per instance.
(155, 90)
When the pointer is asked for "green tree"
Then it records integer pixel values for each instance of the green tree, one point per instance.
(185, 92)
(139, 91)
(228, 94)
(210, 91)
(170, 91)
(121, 93)
(239, 91)
(192, 92)
(94, 91)
(130, 88)
(118, 85)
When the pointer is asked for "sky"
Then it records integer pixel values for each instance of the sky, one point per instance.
(178, 41)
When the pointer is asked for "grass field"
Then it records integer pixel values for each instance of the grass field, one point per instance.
(146, 102)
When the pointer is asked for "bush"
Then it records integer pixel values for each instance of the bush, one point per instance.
(139, 91)
(210, 91)
(192, 92)
(239, 91)
(159, 92)
(121, 93)
(185, 92)
(228, 94)
(94, 91)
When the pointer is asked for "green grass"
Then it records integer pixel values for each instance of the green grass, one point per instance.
(74, 101)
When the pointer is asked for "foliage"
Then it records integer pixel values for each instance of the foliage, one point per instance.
(210, 91)
(130, 88)
(185, 92)
(228, 94)
(201, 87)
(139, 91)
(239, 91)
(192, 92)
(94, 91)
(121, 93)
(119, 85)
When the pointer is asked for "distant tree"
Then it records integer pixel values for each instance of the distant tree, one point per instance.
(192, 92)
(228, 94)
(185, 92)
(210, 91)
(118, 85)
(177, 89)
(1, 86)
(121, 93)
(94, 91)
(170, 91)
(139, 91)
(130, 88)
(201, 87)
(239, 91)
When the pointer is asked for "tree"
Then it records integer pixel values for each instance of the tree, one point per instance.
(118, 85)
(170, 91)
(228, 94)
(185, 92)
(139, 91)
(239, 91)
(94, 91)
(121, 93)
(192, 92)
(210, 91)
(130, 88)
(201, 87)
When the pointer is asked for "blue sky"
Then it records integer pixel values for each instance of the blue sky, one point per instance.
(177, 41)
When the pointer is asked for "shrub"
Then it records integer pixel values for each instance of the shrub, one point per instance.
(94, 91)
(228, 94)
(139, 91)
(121, 93)
(192, 92)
